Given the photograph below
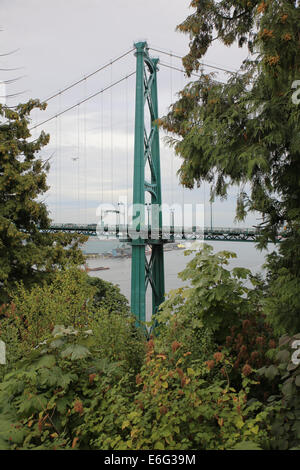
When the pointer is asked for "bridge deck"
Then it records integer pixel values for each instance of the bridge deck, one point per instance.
(167, 235)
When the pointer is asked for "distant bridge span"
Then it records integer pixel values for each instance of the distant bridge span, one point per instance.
(166, 234)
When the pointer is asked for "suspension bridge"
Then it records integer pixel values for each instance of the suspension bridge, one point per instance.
(147, 180)
(168, 233)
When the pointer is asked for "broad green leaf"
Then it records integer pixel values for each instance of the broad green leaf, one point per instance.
(75, 352)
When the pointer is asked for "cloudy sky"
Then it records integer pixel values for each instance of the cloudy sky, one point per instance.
(91, 146)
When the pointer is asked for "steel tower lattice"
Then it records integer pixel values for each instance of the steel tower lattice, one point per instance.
(146, 152)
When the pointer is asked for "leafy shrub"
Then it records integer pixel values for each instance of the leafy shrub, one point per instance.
(95, 385)
(119, 339)
(43, 401)
(250, 340)
(108, 296)
(284, 407)
(177, 326)
(33, 313)
(178, 407)
(249, 346)
(73, 300)
(216, 296)
(282, 303)
(218, 312)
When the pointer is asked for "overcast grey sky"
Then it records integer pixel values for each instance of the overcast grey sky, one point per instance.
(92, 146)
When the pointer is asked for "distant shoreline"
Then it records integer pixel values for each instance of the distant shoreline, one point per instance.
(109, 254)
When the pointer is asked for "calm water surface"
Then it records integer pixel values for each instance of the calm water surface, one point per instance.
(119, 271)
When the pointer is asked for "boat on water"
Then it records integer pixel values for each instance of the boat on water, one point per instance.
(100, 268)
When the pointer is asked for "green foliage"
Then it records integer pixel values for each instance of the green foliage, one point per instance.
(183, 409)
(93, 382)
(282, 304)
(120, 339)
(33, 313)
(284, 407)
(250, 345)
(215, 298)
(229, 21)
(221, 313)
(43, 401)
(108, 296)
(176, 406)
(79, 375)
(71, 299)
(26, 253)
(246, 132)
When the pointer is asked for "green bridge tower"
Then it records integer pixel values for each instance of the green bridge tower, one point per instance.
(146, 273)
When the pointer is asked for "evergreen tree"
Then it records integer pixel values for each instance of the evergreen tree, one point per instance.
(26, 253)
(247, 132)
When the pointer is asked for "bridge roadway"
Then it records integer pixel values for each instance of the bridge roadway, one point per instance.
(168, 234)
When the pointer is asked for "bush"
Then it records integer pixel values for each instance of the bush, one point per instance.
(71, 299)
(216, 297)
(97, 383)
(282, 303)
(108, 296)
(177, 406)
(284, 406)
(218, 312)
(42, 402)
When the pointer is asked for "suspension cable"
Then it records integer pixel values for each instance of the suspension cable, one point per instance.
(127, 141)
(103, 67)
(181, 70)
(60, 138)
(202, 63)
(13, 95)
(83, 101)
(172, 156)
(102, 150)
(11, 70)
(10, 53)
(78, 163)
(99, 159)
(85, 154)
(111, 140)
